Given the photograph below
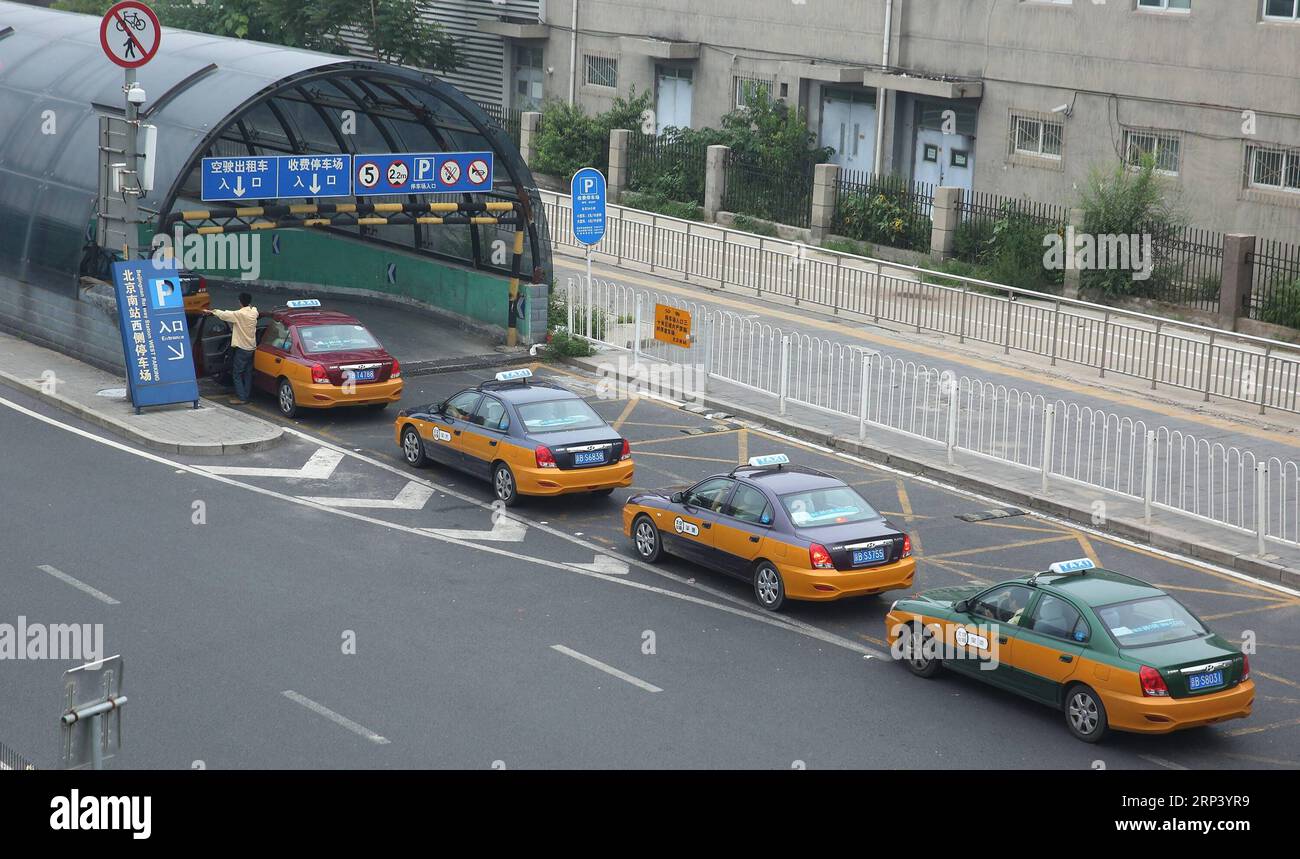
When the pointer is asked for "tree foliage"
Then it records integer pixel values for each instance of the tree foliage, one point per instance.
(570, 139)
(394, 28)
(1127, 202)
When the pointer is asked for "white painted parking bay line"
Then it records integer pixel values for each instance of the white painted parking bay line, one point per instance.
(322, 710)
(608, 669)
(78, 584)
(1161, 762)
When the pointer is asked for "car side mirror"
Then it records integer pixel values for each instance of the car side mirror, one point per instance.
(441, 408)
(676, 498)
(962, 606)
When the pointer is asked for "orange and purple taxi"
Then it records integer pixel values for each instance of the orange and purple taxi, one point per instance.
(528, 436)
(1107, 650)
(792, 532)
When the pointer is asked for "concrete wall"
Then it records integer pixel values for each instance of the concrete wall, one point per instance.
(1119, 66)
(86, 329)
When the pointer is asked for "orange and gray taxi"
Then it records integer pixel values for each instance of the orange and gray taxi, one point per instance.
(528, 436)
(1106, 649)
(794, 533)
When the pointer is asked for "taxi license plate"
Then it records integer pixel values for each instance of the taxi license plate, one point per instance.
(1208, 680)
(595, 457)
(365, 375)
(868, 556)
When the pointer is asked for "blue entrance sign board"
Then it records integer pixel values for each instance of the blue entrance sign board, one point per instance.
(155, 340)
(588, 194)
(422, 173)
(275, 177)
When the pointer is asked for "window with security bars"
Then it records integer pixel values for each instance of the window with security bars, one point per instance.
(1273, 168)
(748, 89)
(1164, 147)
(601, 71)
(1037, 137)
(1282, 10)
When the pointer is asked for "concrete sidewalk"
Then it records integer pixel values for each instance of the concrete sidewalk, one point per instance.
(100, 398)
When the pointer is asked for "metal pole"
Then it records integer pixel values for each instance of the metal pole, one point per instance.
(130, 198)
(1049, 430)
(862, 402)
(636, 333)
(1263, 395)
(1261, 505)
(1149, 475)
(1209, 365)
(96, 742)
(573, 56)
(961, 315)
(1056, 324)
(708, 351)
(569, 299)
(952, 421)
(1155, 360)
(654, 242)
(1006, 326)
(785, 370)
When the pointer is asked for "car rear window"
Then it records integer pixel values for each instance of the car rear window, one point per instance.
(835, 505)
(335, 338)
(1153, 620)
(556, 415)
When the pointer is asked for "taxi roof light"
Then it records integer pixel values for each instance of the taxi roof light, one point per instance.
(514, 375)
(1076, 567)
(777, 459)
(303, 302)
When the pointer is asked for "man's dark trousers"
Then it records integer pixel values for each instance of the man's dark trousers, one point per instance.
(243, 373)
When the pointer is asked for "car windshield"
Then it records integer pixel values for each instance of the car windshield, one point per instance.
(834, 505)
(554, 415)
(1154, 620)
(335, 338)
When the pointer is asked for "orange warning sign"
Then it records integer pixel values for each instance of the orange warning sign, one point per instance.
(673, 325)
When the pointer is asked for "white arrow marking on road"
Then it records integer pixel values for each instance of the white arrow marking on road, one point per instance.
(504, 530)
(320, 467)
(608, 669)
(239, 187)
(314, 187)
(412, 497)
(604, 564)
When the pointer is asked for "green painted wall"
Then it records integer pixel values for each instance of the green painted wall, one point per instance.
(311, 256)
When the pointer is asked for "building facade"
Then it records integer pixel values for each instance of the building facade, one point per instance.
(1014, 97)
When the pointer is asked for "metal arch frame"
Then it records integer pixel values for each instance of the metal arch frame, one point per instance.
(372, 72)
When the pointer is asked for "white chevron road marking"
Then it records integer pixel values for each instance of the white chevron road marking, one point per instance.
(320, 466)
(504, 530)
(412, 497)
(607, 564)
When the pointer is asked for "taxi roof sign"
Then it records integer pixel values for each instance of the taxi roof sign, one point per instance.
(770, 459)
(303, 302)
(511, 375)
(1078, 565)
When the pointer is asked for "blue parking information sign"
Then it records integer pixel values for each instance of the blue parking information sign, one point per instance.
(155, 340)
(422, 173)
(588, 193)
(276, 177)
(315, 176)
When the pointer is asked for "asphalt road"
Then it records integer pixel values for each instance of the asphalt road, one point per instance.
(473, 651)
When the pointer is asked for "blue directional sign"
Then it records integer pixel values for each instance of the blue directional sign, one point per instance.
(155, 340)
(422, 173)
(276, 177)
(588, 193)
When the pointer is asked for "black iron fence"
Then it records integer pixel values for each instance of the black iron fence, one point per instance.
(1275, 293)
(985, 217)
(506, 118)
(760, 191)
(1187, 266)
(884, 210)
(667, 167)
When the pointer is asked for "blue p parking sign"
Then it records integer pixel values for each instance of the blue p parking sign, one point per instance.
(587, 191)
(155, 339)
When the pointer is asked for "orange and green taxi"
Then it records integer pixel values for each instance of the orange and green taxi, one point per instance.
(528, 436)
(1106, 649)
(793, 533)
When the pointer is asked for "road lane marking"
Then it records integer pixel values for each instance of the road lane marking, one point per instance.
(1085, 545)
(1259, 729)
(1161, 762)
(320, 466)
(725, 602)
(627, 410)
(504, 530)
(78, 584)
(1252, 610)
(1284, 681)
(608, 669)
(412, 497)
(344, 721)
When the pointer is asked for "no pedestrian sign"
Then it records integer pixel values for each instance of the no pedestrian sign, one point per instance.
(129, 34)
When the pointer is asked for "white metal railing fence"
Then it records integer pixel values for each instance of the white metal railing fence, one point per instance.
(1208, 361)
(1162, 468)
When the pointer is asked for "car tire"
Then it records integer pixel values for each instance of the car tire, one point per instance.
(413, 448)
(646, 540)
(503, 485)
(918, 663)
(285, 400)
(769, 587)
(1085, 714)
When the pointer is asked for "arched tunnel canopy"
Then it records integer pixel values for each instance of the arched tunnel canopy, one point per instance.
(213, 96)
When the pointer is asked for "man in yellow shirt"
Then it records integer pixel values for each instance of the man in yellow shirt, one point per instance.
(243, 339)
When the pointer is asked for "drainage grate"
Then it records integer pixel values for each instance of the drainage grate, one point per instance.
(996, 513)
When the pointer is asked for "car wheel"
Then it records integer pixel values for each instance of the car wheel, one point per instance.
(1085, 714)
(916, 647)
(286, 400)
(769, 589)
(413, 448)
(503, 485)
(645, 537)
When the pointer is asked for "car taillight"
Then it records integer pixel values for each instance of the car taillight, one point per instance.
(318, 374)
(397, 370)
(545, 459)
(1245, 668)
(907, 546)
(1153, 685)
(627, 451)
(203, 284)
(819, 557)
